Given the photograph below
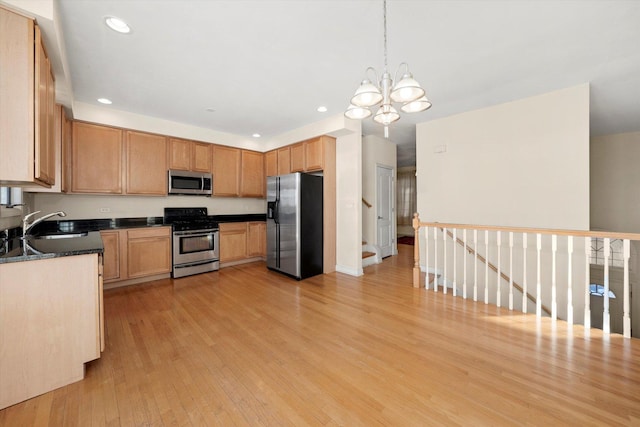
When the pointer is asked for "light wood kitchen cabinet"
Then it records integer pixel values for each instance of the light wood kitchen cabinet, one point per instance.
(51, 324)
(297, 158)
(96, 159)
(179, 154)
(27, 97)
(314, 154)
(201, 159)
(189, 155)
(132, 254)
(148, 251)
(284, 160)
(146, 163)
(256, 239)
(271, 163)
(226, 171)
(233, 241)
(111, 255)
(252, 183)
(242, 242)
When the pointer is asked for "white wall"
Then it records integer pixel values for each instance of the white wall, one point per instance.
(86, 207)
(523, 163)
(375, 151)
(349, 204)
(615, 182)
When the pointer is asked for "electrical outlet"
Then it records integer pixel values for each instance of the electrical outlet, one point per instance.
(105, 210)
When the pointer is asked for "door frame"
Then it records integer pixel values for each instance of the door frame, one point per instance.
(393, 220)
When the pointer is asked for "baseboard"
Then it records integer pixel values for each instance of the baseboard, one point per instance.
(350, 271)
(129, 282)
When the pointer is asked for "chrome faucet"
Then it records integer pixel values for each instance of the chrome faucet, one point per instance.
(25, 221)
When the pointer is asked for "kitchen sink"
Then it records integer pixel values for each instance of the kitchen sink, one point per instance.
(61, 236)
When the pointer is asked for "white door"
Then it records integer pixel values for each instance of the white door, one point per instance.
(384, 210)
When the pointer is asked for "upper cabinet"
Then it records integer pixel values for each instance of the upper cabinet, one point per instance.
(284, 160)
(271, 163)
(297, 158)
(96, 159)
(226, 171)
(189, 155)
(146, 163)
(27, 104)
(252, 183)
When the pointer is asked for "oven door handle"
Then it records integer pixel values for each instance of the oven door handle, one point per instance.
(194, 233)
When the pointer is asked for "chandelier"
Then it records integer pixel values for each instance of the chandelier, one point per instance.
(406, 91)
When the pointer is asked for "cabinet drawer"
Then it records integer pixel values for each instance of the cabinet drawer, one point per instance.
(233, 226)
(142, 233)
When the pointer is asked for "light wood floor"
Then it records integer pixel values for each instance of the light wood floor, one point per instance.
(245, 346)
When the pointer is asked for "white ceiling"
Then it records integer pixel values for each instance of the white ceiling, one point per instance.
(266, 65)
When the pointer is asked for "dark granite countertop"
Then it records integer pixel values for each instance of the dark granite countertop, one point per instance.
(16, 250)
(240, 218)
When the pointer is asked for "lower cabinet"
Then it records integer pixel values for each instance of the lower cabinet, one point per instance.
(135, 253)
(52, 324)
(241, 241)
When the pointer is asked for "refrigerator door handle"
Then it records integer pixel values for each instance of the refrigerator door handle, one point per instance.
(276, 212)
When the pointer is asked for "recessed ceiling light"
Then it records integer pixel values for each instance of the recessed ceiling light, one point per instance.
(210, 110)
(321, 109)
(256, 135)
(105, 101)
(117, 24)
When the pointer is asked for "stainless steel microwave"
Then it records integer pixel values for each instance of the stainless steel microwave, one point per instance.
(192, 183)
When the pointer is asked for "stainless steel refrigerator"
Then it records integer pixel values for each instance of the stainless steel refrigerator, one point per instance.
(294, 224)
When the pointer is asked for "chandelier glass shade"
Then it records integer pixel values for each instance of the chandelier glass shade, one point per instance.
(406, 91)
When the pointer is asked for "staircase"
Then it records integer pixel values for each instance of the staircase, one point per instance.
(370, 254)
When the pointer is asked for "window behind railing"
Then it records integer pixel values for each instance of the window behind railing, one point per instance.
(597, 252)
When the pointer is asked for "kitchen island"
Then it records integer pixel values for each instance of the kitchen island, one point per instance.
(51, 311)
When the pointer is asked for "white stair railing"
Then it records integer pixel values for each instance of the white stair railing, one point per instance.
(556, 253)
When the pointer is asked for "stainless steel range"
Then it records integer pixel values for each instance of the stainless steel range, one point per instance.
(195, 241)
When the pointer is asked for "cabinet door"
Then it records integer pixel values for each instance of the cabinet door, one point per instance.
(200, 157)
(252, 174)
(44, 89)
(314, 154)
(179, 154)
(271, 163)
(96, 159)
(297, 158)
(233, 241)
(148, 251)
(226, 171)
(256, 239)
(284, 161)
(146, 163)
(111, 255)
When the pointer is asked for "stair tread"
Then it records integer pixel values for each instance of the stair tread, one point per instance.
(366, 254)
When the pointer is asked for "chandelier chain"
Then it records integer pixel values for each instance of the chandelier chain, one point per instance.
(384, 14)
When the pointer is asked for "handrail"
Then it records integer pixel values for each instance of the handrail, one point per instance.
(495, 270)
(367, 204)
(557, 232)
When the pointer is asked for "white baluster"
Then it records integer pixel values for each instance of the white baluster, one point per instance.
(511, 270)
(606, 325)
(435, 259)
(475, 265)
(498, 281)
(606, 321)
(426, 257)
(538, 284)
(444, 259)
(524, 273)
(554, 302)
(570, 281)
(455, 273)
(486, 266)
(464, 264)
(587, 284)
(626, 253)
